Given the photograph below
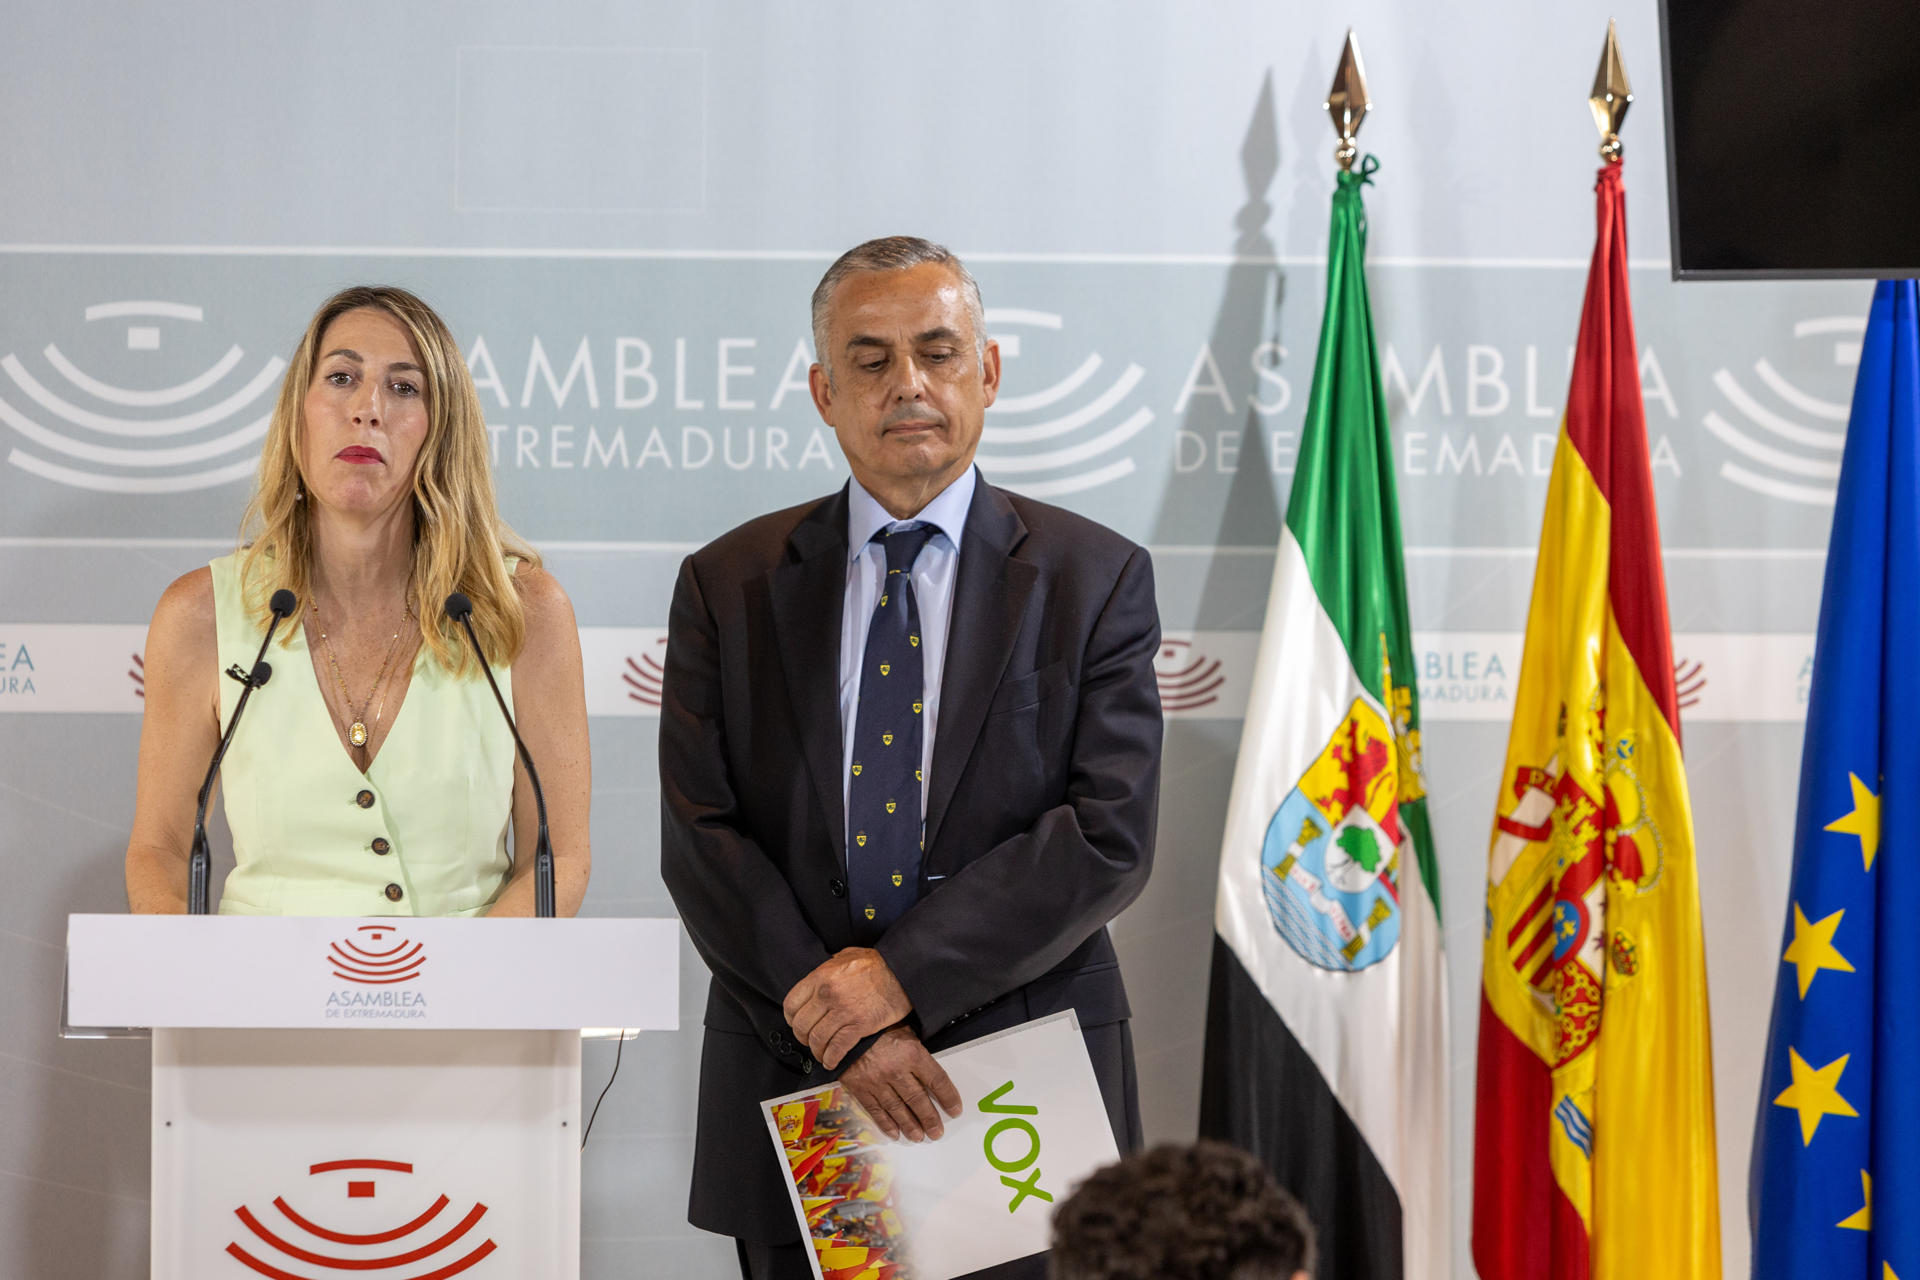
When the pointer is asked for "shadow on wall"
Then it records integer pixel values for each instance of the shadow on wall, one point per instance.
(1173, 923)
(1248, 316)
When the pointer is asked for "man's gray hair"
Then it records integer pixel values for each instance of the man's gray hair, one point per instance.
(893, 253)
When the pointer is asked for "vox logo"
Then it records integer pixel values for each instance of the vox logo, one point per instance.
(1020, 1150)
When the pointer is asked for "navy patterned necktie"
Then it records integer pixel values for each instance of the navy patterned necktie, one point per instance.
(884, 834)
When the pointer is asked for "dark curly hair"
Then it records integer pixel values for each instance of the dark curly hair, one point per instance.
(1202, 1212)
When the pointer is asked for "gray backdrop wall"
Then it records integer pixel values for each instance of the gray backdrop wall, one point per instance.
(621, 209)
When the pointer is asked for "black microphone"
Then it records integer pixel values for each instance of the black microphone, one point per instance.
(460, 609)
(200, 860)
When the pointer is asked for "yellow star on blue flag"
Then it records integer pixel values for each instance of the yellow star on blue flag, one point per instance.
(1863, 820)
(1812, 947)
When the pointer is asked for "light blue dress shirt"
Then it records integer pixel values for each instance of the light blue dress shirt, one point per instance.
(933, 578)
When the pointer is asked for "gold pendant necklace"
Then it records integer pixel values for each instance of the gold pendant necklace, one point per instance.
(357, 732)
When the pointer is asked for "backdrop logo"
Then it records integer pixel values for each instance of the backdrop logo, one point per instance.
(163, 446)
(1781, 452)
(1062, 449)
(426, 1241)
(376, 956)
(1188, 678)
(1689, 682)
(646, 679)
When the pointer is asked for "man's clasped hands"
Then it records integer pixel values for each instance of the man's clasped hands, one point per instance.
(846, 999)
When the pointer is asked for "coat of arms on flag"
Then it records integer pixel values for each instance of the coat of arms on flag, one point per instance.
(1558, 943)
(1332, 854)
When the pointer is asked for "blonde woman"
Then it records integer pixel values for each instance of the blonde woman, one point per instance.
(373, 775)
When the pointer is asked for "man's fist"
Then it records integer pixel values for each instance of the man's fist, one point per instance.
(843, 1001)
(898, 1082)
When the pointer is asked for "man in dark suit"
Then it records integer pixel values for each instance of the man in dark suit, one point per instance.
(909, 757)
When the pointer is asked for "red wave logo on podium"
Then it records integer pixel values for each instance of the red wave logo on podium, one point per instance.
(367, 959)
(363, 1246)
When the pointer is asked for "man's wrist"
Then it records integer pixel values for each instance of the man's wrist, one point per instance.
(860, 1048)
(909, 1010)
(901, 1004)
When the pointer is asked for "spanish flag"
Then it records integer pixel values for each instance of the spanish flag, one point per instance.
(1594, 1134)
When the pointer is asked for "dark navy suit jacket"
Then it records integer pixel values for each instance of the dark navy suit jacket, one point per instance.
(1040, 808)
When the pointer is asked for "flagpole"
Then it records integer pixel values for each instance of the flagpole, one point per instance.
(1347, 103)
(1594, 1149)
(1326, 1048)
(1611, 96)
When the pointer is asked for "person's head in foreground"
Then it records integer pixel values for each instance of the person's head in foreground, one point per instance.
(1202, 1212)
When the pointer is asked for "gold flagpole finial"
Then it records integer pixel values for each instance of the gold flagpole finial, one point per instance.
(1347, 102)
(1611, 96)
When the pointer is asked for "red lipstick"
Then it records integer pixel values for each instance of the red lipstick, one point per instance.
(360, 453)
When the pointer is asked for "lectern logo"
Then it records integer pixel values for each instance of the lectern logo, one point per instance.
(377, 955)
(167, 448)
(429, 1246)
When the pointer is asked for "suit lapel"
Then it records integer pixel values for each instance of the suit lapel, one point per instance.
(990, 596)
(808, 593)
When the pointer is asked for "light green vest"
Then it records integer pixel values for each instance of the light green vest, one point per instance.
(308, 826)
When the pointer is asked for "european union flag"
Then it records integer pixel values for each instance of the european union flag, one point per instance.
(1835, 1185)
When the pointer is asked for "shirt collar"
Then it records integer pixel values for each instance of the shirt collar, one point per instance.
(947, 513)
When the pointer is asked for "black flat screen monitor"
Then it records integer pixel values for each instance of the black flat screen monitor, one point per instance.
(1793, 137)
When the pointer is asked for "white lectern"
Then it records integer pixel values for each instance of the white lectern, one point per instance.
(391, 1096)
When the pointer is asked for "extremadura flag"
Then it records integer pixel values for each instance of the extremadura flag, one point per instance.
(1326, 1021)
(1594, 1133)
(1835, 1181)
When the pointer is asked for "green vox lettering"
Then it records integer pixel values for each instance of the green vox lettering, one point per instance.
(992, 1103)
(1029, 1186)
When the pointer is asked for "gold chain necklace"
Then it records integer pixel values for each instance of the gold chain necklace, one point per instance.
(357, 730)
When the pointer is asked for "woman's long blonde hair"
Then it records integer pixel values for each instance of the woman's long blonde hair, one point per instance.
(459, 541)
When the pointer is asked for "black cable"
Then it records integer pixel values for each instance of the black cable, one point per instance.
(617, 1050)
(460, 610)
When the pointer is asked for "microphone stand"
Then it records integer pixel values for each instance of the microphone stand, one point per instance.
(460, 609)
(200, 860)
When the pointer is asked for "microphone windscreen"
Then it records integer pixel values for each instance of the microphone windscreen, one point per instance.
(283, 604)
(459, 607)
(262, 672)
